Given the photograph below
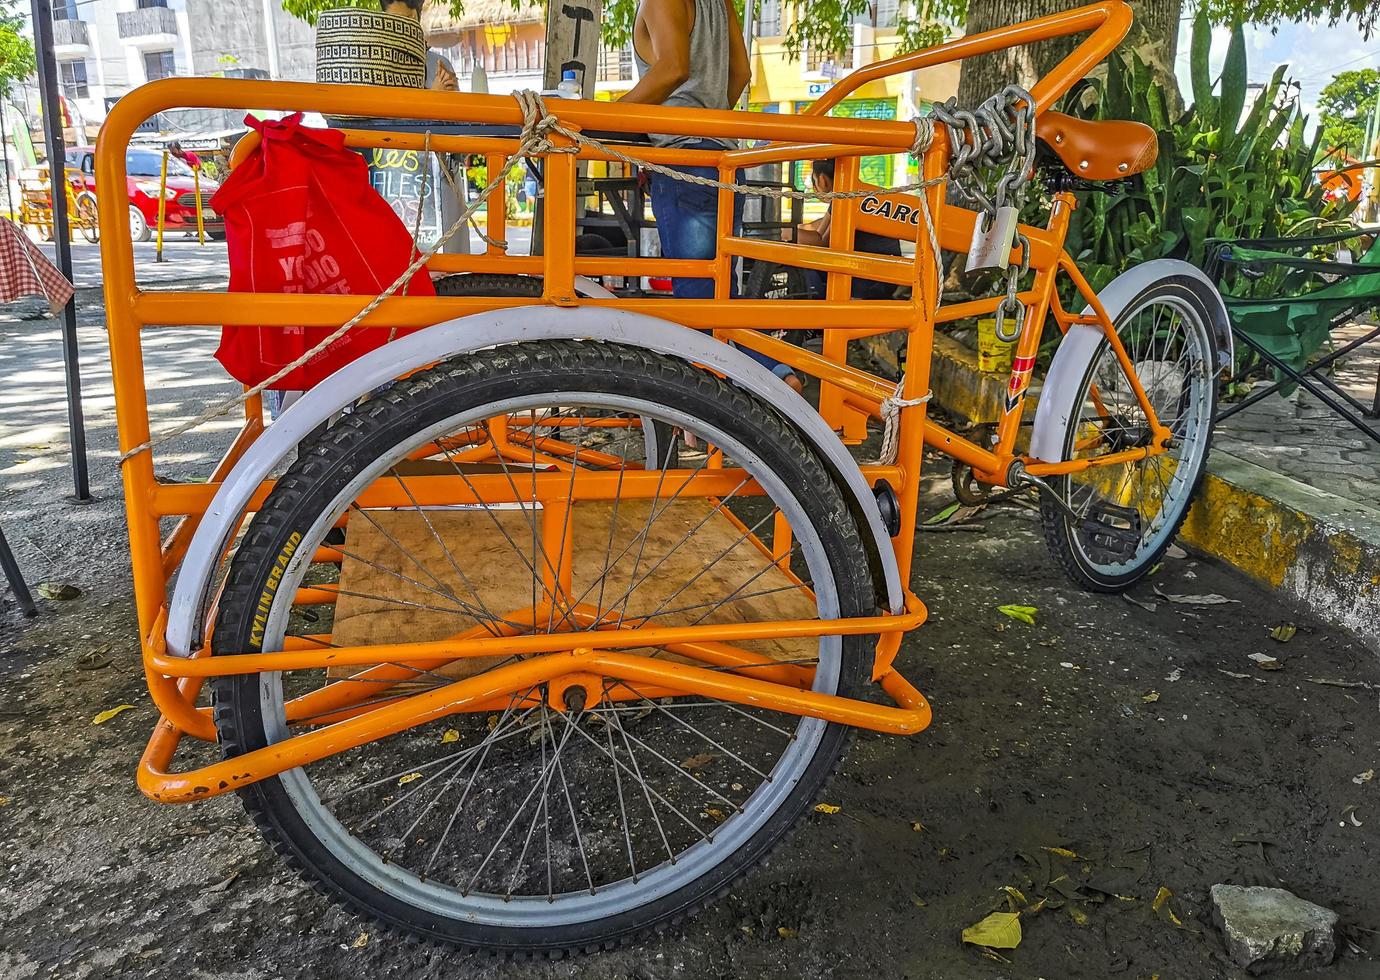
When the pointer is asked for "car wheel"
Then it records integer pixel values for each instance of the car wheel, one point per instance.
(138, 226)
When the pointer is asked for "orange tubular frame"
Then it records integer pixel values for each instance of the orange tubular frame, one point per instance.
(849, 396)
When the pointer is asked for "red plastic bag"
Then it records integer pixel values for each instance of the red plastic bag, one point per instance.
(301, 217)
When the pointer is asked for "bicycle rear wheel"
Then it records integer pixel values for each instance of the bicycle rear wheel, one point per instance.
(1128, 513)
(523, 827)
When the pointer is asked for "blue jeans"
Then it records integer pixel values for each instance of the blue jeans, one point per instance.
(687, 224)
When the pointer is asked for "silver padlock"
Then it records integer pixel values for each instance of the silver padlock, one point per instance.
(991, 247)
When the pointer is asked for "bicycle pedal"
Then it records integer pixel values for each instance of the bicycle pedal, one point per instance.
(1112, 528)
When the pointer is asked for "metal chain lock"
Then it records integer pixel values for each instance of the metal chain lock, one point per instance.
(997, 138)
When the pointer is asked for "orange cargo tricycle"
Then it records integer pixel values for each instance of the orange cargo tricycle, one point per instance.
(539, 627)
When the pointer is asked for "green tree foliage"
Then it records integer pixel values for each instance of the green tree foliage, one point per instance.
(1345, 106)
(826, 25)
(308, 9)
(1364, 14)
(16, 50)
(1227, 169)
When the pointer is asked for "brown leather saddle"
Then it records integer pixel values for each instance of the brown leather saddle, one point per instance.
(1105, 149)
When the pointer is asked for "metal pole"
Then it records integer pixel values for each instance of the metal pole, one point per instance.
(162, 205)
(10, 567)
(5, 148)
(57, 176)
(271, 40)
(200, 222)
(749, 29)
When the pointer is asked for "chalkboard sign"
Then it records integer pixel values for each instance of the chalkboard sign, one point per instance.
(401, 178)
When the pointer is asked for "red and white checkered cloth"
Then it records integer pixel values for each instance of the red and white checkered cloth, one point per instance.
(26, 271)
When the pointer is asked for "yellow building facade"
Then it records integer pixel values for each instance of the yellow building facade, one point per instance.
(509, 42)
(782, 83)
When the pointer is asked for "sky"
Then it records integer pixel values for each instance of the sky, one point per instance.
(1313, 51)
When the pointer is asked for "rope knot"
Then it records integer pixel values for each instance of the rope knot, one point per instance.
(891, 420)
(538, 124)
(924, 135)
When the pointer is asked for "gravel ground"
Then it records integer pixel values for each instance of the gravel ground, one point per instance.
(1045, 737)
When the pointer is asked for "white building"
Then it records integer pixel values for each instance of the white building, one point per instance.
(105, 49)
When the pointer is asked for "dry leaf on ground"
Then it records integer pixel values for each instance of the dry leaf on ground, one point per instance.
(1203, 599)
(59, 591)
(109, 713)
(1000, 930)
(1161, 907)
(1147, 606)
(1026, 614)
(698, 761)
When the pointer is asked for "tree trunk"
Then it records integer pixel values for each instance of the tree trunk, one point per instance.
(1154, 36)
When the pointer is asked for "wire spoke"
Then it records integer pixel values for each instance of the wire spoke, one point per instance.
(522, 555)
(487, 744)
(462, 606)
(450, 558)
(716, 509)
(692, 729)
(677, 768)
(665, 802)
(714, 561)
(636, 773)
(574, 821)
(622, 803)
(354, 507)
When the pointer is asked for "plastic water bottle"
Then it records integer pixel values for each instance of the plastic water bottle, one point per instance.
(569, 88)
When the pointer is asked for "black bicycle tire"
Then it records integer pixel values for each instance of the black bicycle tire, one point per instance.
(312, 482)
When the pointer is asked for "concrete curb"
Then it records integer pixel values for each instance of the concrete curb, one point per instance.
(1313, 546)
(965, 391)
(1310, 545)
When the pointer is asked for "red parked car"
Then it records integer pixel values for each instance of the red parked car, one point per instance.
(142, 166)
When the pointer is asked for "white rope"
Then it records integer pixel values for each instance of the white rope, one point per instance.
(891, 421)
(538, 125)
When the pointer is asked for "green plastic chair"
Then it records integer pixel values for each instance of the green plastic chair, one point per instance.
(1287, 330)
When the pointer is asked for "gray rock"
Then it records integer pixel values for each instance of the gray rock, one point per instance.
(1270, 928)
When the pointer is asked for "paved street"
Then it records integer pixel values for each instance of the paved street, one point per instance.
(184, 259)
(1146, 742)
(1302, 438)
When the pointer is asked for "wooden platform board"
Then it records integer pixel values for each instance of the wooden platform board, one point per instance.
(378, 566)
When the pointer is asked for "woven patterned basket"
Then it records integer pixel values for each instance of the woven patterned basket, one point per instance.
(365, 47)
